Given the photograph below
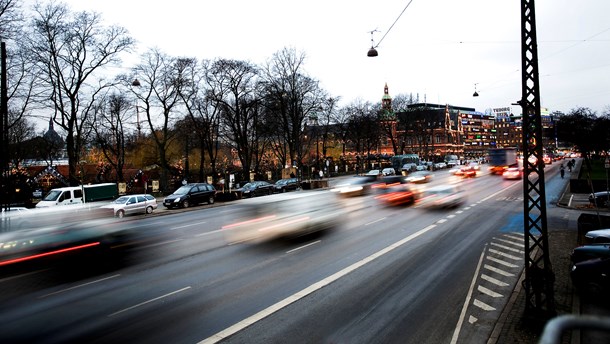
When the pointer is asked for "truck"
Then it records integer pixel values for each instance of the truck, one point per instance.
(501, 159)
(74, 195)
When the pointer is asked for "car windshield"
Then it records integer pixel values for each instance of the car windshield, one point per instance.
(52, 195)
(183, 190)
(248, 186)
(282, 182)
(121, 200)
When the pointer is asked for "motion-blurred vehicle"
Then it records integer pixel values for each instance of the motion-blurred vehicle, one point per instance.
(592, 277)
(388, 181)
(284, 218)
(600, 199)
(356, 186)
(256, 188)
(388, 171)
(397, 194)
(419, 177)
(191, 194)
(14, 218)
(442, 196)
(288, 184)
(439, 165)
(590, 251)
(598, 236)
(500, 159)
(512, 173)
(374, 173)
(468, 172)
(132, 204)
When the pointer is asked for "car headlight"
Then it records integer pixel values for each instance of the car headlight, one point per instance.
(573, 267)
(177, 200)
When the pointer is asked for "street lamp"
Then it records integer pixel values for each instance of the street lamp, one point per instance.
(136, 83)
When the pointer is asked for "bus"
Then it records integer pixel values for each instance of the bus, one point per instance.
(398, 161)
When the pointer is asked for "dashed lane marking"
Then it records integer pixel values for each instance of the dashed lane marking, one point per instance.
(494, 281)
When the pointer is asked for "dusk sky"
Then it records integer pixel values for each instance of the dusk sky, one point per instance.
(437, 50)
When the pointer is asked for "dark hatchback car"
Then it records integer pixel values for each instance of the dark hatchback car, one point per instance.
(191, 194)
(256, 188)
(600, 199)
(288, 184)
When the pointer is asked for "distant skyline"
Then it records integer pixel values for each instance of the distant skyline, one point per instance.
(439, 49)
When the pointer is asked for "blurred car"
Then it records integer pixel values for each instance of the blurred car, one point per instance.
(191, 194)
(419, 177)
(442, 196)
(356, 186)
(14, 218)
(600, 199)
(512, 173)
(132, 204)
(410, 167)
(286, 218)
(288, 184)
(591, 277)
(256, 188)
(598, 236)
(440, 165)
(397, 194)
(456, 171)
(387, 181)
(468, 172)
(374, 173)
(388, 171)
(421, 167)
(590, 251)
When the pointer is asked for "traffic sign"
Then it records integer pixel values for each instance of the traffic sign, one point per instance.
(607, 163)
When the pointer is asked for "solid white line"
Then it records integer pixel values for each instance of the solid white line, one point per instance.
(458, 327)
(189, 225)
(488, 292)
(570, 201)
(494, 281)
(211, 232)
(312, 288)
(499, 261)
(498, 271)
(149, 301)
(79, 286)
(370, 223)
(298, 248)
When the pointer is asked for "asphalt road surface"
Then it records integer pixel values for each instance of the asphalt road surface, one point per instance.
(382, 275)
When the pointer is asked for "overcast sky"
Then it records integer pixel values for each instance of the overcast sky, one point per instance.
(438, 49)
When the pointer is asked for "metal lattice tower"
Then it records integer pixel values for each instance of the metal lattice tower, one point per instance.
(539, 277)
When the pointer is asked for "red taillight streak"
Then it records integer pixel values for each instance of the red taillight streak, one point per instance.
(17, 260)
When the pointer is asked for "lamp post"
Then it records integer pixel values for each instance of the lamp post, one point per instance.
(136, 83)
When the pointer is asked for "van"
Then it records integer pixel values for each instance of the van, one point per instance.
(71, 195)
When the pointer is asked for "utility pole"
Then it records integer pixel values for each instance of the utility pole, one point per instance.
(4, 155)
(539, 276)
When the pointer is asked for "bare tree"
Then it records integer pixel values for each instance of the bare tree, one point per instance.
(71, 49)
(11, 18)
(158, 94)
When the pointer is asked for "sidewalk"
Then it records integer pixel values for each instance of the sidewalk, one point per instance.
(514, 326)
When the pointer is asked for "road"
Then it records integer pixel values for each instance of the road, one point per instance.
(383, 275)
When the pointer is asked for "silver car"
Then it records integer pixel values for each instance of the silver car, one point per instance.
(132, 204)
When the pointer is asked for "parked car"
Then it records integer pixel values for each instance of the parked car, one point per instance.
(288, 184)
(590, 251)
(419, 177)
(600, 199)
(132, 204)
(406, 168)
(592, 277)
(374, 173)
(388, 171)
(439, 165)
(442, 196)
(191, 194)
(256, 188)
(598, 236)
(512, 173)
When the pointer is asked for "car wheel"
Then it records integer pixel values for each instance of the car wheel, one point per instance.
(283, 190)
(185, 204)
(120, 214)
(211, 200)
(149, 210)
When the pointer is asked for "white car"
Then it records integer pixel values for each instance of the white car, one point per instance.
(132, 204)
(388, 171)
(442, 196)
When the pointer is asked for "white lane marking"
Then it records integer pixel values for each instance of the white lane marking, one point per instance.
(210, 232)
(473, 205)
(312, 288)
(472, 319)
(441, 221)
(450, 216)
(498, 271)
(301, 247)
(22, 275)
(458, 327)
(370, 223)
(509, 242)
(162, 243)
(466, 208)
(483, 305)
(570, 201)
(502, 262)
(79, 286)
(506, 255)
(149, 301)
(507, 248)
(494, 281)
(488, 292)
(459, 212)
(189, 225)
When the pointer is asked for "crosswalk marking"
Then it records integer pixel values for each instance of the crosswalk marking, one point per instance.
(483, 305)
(489, 292)
(494, 281)
(502, 262)
(498, 271)
(506, 255)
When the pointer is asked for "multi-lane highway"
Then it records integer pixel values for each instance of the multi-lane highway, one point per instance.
(382, 275)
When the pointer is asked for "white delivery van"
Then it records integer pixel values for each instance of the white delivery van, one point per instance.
(62, 196)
